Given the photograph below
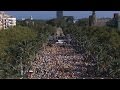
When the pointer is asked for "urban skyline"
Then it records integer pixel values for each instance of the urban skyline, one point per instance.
(52, 14)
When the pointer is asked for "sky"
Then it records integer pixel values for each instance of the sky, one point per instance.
(52, 14)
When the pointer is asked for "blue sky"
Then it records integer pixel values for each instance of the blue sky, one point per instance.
(52, 14)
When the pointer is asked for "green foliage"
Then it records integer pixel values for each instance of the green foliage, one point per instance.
(83, 22)
(15, 43)
(58, 22)
(98, 45)
(19, 45)
(112, 23)
(102, 44)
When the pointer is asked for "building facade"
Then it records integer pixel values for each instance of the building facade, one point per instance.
(6, 21)
(116, 16)
(116, 19)
(92, 19)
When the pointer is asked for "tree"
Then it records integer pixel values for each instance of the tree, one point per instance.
(83, 22)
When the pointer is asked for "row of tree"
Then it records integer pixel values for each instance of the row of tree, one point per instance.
(18, 47)
(99, 45)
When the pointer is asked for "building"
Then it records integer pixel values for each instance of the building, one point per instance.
(59, 14)
(116, 19)
(119, 24)
(92, 19)
(102, 21)
(29, 21)
(9, 22)
(116, 16)
(6, 21)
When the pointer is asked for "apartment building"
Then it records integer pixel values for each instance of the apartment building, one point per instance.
(6, 21)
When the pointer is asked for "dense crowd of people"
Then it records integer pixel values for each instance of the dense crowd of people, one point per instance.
(58, 63)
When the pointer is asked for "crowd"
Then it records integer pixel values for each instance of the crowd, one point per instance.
(58, 63)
